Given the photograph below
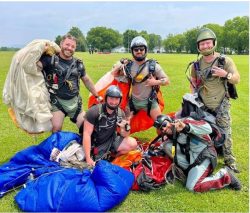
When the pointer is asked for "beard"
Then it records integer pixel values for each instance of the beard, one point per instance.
(66, 53)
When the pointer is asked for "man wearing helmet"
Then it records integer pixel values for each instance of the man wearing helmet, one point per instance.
(100, 125)
(145, 76)
(211, 77)
(188, 143)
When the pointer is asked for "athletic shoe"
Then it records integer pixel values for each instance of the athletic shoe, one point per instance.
(235, 183)
(233, 167)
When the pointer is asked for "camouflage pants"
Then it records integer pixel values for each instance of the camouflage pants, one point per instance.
(223, 119)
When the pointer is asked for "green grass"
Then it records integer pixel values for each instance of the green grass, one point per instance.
(169, 198)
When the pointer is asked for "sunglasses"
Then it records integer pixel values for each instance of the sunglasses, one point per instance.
(137, 49)
(164, 124)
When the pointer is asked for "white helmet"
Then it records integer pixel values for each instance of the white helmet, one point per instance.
(139, 41)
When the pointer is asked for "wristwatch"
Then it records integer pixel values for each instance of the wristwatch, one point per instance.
(229, 76)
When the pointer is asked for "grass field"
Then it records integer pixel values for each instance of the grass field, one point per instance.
(170, 198)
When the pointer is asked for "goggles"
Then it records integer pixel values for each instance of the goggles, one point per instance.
(164, 124)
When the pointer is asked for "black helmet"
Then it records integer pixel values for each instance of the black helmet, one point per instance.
(113, 91)
(139, 41)
(162, 121)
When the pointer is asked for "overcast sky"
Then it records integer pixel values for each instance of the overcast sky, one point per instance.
(21, 22)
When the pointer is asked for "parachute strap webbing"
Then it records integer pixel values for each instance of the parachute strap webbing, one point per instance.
(94, 145)
(55, 102)
(153, 95)
(155, 89)
(59, 70)
(101, 113)
(200, 158)
(79, 108)
(196, 68)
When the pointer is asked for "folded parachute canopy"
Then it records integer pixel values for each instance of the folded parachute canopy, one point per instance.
(50, 187)
(33, 160)
(24, 90)
(71, 190)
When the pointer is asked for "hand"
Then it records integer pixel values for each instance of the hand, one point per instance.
(151, 81)
(218, 72)
(90, 162)
(118, 69)
(122, 123)
(179, 125)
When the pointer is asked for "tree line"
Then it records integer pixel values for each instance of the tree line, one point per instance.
(233, 37)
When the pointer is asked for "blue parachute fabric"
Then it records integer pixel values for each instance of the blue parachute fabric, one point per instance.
(72, 190)
(48, 187)
(33, 160)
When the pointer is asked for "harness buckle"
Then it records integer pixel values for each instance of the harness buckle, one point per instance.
(151, 98)
(49, 77)
(54, 101)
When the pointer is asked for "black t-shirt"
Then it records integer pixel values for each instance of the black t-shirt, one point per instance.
(105, 127)
(63, 91)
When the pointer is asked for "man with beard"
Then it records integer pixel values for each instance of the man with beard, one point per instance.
(213, 77)
(62, 74)
(99, 129)
(188, 143)
(145, 76)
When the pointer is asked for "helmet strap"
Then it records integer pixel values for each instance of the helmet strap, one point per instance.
(111, 107)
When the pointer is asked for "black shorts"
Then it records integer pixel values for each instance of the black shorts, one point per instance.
(110, 145)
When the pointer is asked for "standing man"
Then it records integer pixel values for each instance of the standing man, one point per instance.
(188, 143)
(213, 77)
(100, 125)
(145, 76)
(62, 74)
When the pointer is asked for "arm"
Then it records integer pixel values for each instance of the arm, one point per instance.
(39, 65)
(151, 81)
(197, 127)
(160, 78)
(195, 83)
(87, 132)
(50, 49)
(189, 125)
(229, 67)
(89, 85)
(118, 68)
